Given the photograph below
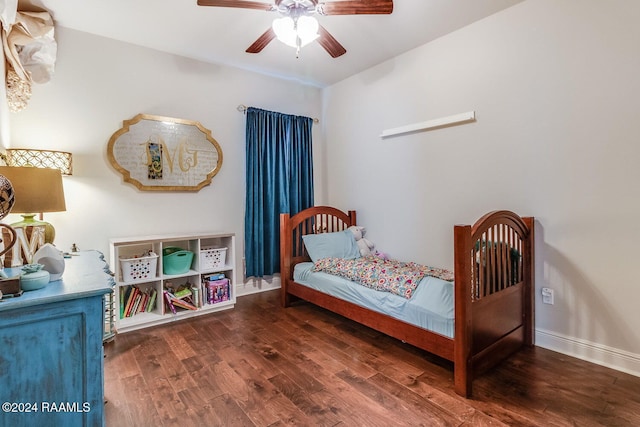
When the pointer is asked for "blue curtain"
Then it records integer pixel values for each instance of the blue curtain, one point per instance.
(279, 175)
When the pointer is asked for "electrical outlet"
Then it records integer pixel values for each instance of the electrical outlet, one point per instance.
(547, 296)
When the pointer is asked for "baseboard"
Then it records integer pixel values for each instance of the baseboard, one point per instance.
(613, 358)
(254, 285)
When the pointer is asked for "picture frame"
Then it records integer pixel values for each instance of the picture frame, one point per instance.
(156, 153)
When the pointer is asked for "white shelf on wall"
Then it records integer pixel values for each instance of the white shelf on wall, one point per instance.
(201, 244)
(442, 122)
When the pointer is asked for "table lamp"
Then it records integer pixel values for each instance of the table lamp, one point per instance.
(36, 190)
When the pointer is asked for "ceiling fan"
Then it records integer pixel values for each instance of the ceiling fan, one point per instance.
(297, 26)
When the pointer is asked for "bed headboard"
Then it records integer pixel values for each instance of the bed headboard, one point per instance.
(315, 220)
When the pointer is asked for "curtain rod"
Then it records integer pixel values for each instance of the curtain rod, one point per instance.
(243, 109)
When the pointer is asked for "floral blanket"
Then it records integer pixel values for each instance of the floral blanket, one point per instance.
(400, 278)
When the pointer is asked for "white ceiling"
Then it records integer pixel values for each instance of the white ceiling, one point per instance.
(221, 35)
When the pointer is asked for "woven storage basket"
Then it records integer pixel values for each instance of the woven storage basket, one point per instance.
(139, 268)
(212, 258)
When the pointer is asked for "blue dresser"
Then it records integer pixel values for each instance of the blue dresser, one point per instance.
(51, 356)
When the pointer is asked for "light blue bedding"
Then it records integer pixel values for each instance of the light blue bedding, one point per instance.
(430, 307)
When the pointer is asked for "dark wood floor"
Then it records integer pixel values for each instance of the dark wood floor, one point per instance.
(262, 365)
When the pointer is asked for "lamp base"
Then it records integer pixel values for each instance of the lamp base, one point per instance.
(29, 219)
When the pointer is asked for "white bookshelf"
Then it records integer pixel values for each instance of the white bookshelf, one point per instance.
(203, 245)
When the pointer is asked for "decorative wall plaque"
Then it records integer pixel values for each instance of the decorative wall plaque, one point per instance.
(164, 154)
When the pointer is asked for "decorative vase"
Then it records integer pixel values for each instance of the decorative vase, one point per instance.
(29, 220)
(34, 277)
(52, 260)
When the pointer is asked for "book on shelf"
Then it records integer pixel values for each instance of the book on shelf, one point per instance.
(134, 301)
(151, 304)
(183, 304)
(213, 276)
(151, 300)
(217, 290)
(184, 292)
(123, 299)
(182, 298)
(131, 299)
(168, 303)
(143, 303)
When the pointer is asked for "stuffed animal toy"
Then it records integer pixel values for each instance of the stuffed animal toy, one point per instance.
(358, 231)
(365, 246)
(382, 255)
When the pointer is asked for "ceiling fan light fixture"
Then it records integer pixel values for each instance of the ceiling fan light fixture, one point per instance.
(296, 33)
(283, 27)
(307, 29)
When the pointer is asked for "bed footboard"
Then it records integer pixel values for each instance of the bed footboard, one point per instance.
(494, 293)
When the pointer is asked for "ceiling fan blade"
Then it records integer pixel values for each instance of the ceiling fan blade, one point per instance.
(262, 41)
(356, 7)
(329, 43)
(237, 3)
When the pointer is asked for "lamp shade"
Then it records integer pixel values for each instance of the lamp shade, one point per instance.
(307, 29)
(296, 33)
(285, 31)
(36, 190)
(40, 159)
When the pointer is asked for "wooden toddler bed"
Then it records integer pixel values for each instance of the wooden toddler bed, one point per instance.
(493, 289)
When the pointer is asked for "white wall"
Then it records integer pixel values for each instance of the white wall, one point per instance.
(555, 87)
(98, 83)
